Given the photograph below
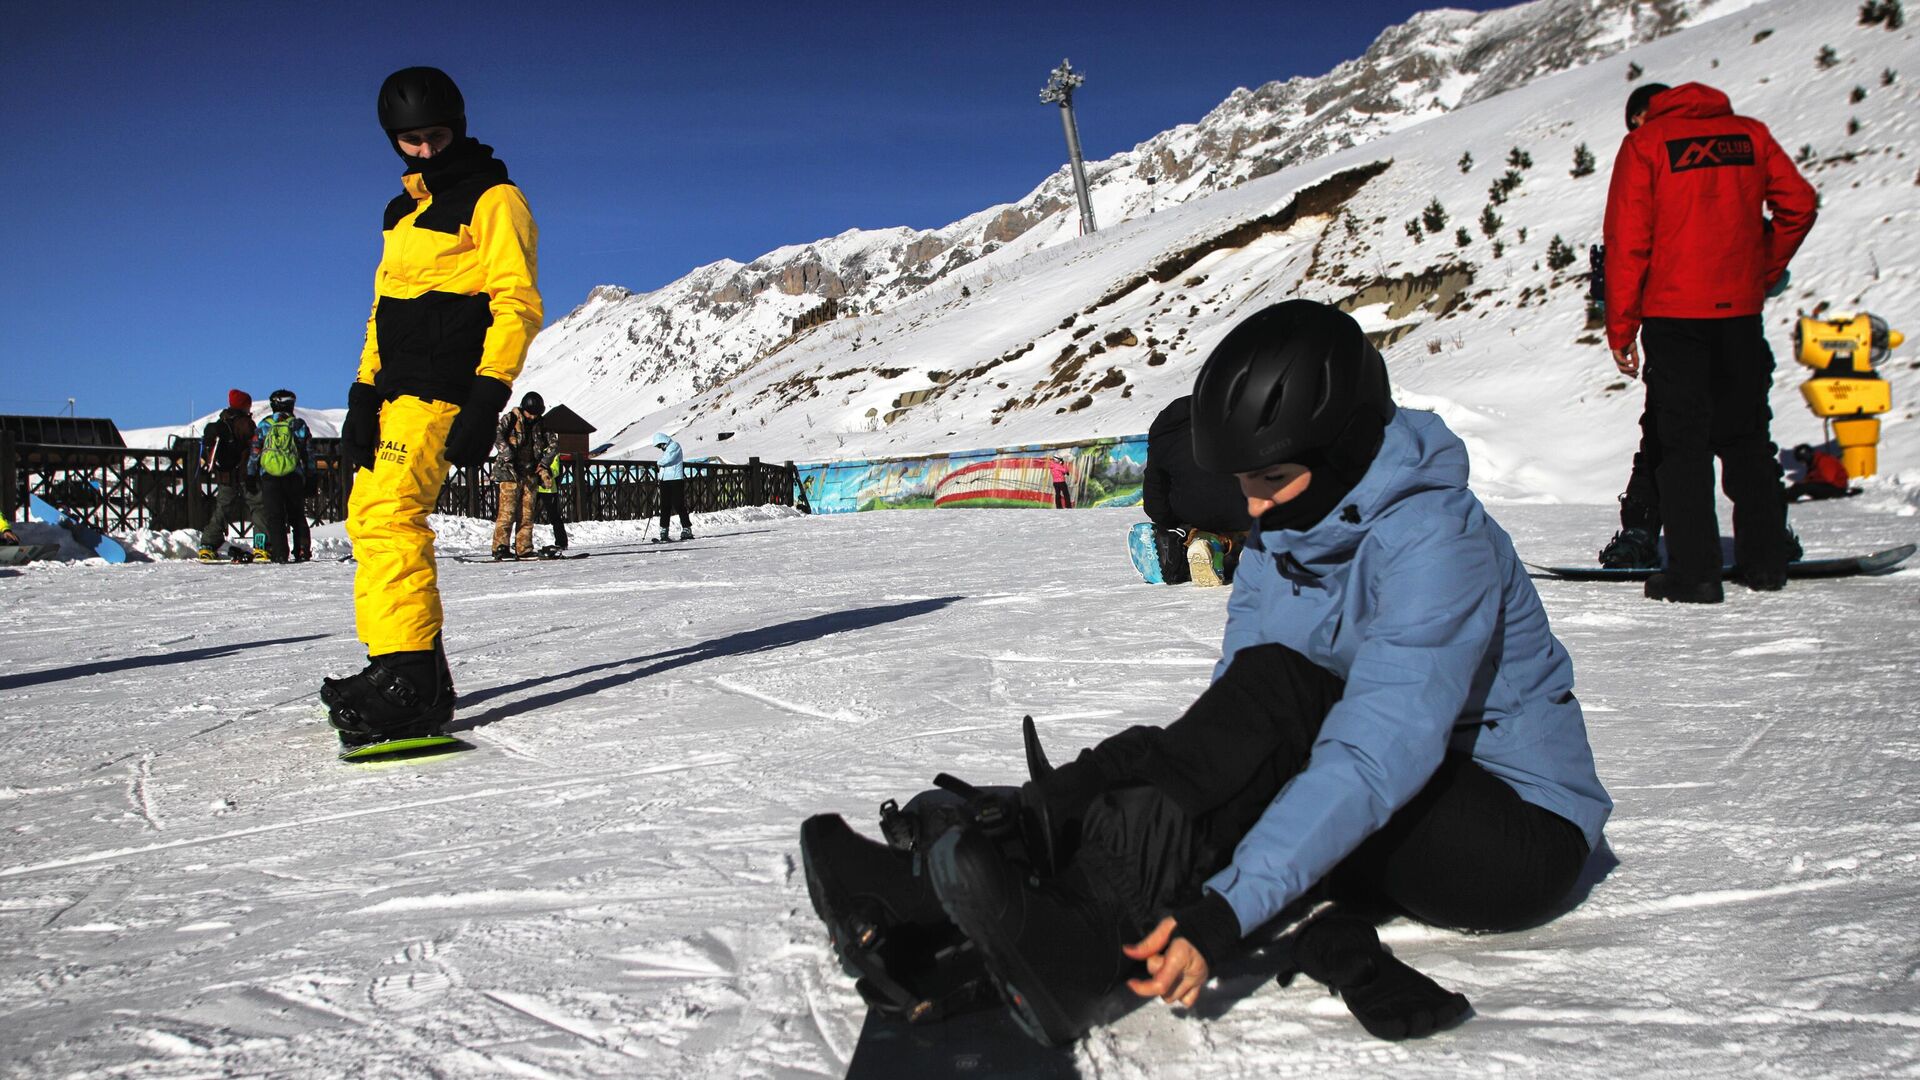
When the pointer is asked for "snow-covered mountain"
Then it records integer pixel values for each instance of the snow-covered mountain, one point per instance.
(635, 354)
(1006, 327)
(321, 423)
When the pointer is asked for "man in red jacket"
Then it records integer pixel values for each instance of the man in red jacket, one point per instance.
(1690, 255)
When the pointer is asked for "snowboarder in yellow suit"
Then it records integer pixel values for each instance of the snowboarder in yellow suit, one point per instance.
(456, 303)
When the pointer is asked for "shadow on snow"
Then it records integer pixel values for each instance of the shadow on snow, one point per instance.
(777, 636)
(108, 667)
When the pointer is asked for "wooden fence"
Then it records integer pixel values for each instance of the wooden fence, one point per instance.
(115, 489)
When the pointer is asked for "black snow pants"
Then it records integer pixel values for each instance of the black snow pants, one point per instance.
(1640, 503)
(551, 509)
(1707, 383)
(673, 500)
(1466, 853)
(283, 503)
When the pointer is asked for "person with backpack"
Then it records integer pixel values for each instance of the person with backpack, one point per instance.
(673, 485)
(1704, 212)
(456, 303)
(521, 448)
(282, 466)
(1391, 727)
(551, 507)
(225, 446)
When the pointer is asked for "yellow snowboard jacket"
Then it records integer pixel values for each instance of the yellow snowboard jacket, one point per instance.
(457, 292)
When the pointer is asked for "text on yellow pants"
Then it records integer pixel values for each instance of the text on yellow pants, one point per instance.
(396, 591)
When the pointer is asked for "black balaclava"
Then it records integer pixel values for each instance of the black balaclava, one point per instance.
(1336, 470)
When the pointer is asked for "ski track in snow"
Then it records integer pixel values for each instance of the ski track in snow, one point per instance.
(608, 886)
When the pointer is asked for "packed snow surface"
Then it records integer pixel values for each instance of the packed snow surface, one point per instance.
(608, 884)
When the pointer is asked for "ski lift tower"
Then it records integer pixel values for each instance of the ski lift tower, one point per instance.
(1059, 91)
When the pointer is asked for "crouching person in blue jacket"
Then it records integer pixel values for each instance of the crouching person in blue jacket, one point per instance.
(1391, 727)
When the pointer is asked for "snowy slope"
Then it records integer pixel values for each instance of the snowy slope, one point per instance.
(1057, 337)
(191, 886)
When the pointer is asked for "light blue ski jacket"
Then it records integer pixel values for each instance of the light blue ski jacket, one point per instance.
(1415, 597)
(671, 459)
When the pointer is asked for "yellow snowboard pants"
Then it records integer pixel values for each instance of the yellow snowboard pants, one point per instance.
(396, 591)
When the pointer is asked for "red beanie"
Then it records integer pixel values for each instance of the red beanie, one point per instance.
(239, 399)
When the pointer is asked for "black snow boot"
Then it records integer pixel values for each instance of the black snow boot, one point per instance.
(1390, 999)
(1664, 586)
(887, 926)
(1052, 951)
(1631, 549)
(396, 696)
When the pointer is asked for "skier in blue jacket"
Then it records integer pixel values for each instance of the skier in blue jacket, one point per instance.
(1391, 726)
(673, 485)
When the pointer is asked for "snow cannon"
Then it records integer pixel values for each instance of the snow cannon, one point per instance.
(1845, 390)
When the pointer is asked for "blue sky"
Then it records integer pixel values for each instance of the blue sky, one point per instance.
(194, 189)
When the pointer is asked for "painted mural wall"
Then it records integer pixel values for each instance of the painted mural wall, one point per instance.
(1103, 472)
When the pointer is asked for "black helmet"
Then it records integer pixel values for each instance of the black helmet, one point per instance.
(420, 97)
(281, 401)
(1803, 453)
(534, 403)
(1286, 385)
(1641, 99)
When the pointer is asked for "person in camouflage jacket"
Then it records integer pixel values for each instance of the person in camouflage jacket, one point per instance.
(521, 450)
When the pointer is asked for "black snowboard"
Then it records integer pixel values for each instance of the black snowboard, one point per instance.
(983, 1043)
(1879, 562)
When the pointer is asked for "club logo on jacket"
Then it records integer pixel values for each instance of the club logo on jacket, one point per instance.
(1709, 152)
(395, 452)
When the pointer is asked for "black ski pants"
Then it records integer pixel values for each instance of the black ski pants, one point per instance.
(1707, 383)
(283, 502)
(551, 509)
(1466, 853)
(673, 500)
(1640, 503)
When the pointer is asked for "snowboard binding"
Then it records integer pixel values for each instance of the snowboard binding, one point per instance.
(887, 926)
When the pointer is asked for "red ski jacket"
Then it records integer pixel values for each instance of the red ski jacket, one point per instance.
(1686, 236)
(1827, 469)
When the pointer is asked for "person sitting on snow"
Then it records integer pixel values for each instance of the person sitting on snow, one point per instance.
(1182, 499)
(1391, 726)
(1826, 477)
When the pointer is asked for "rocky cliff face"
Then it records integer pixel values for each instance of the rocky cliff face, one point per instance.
(634, 353)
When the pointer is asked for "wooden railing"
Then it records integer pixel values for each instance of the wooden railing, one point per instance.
(116, 489)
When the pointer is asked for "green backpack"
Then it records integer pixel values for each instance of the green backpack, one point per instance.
(279, 456)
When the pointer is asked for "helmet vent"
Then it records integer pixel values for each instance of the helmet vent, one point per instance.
(1236, 389)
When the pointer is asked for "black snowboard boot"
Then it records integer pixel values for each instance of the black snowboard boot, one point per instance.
(1664, 586)
(887, 926)
(1631, 549)
(1053, 953)
(396, 696)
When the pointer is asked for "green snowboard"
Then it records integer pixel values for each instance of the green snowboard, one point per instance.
(418, 746)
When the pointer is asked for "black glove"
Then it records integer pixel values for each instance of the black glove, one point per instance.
(1390, 999)
(360, 431)
(471, 439)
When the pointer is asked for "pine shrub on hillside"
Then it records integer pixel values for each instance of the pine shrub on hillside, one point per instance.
(1559, 254)
(1489, 221)
(1466, 162)
(1519, 159)
(1826, 57)
(1414, 230)
(1582, 161)
(1461, 238)
(1434, 217)
(1634, 71)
